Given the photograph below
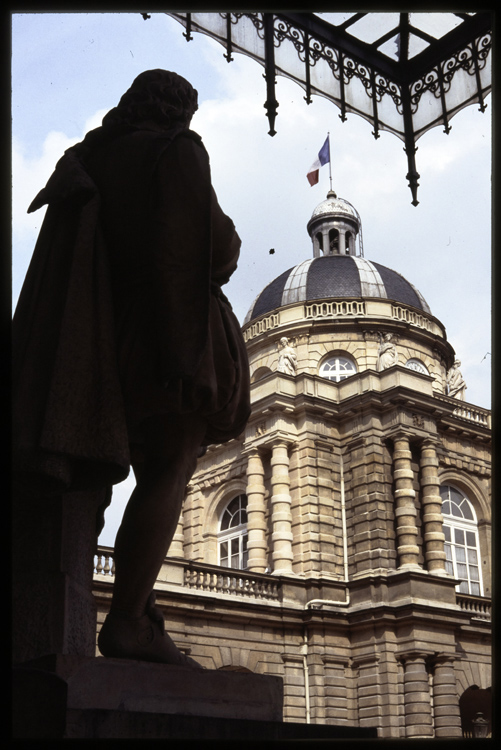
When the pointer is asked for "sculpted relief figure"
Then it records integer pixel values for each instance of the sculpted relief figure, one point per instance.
(387, 353)
(125, 350)
(287, 359)
(456, 386)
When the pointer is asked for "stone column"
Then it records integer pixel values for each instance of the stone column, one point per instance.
(433, 536)
(281, 510)
(417, 699)
(342, 243)
(405, 510)
(176, 548)
(445, 698)
(256, 510)
(325, 242)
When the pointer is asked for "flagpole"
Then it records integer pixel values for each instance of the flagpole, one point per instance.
(330, 173)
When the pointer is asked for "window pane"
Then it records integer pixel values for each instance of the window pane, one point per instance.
(474, 573)
(472, 557)
(460, 554)
(470, 539)
(235, 546)
(475, 589)
(456, 496)
(225, 521)
(462, 572)
(459, 536)
(446, 508)
(463, 587)
(447, 532)
(449, 568)
(455, 510)
(466, 510)
(448, 551)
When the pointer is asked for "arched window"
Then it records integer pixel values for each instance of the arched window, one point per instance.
(320, 241)
(338, 368)
(349, 243)
(232, 537)
(417, 365)
(461, 540)
(333, 242)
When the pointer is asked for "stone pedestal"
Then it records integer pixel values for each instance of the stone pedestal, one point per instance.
(54, 542)
(68, 697)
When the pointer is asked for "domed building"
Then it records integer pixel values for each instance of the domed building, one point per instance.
(343, 541)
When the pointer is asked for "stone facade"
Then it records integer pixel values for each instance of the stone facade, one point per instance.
(343, 584)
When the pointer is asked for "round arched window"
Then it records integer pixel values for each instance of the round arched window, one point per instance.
(233, 537)
(338, 368)
(461, 540)
(417, 365)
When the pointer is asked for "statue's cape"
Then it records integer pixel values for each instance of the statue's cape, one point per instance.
(69, 425)
(69, 430)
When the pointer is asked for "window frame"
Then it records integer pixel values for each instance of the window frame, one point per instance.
(463, 558)
(340, 376)
(235, 537)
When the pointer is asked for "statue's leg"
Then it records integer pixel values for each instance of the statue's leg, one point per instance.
(171, 446)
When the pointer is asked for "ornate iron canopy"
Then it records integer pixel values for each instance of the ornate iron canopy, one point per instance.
(403, 72)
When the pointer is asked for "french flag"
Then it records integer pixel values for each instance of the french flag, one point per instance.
(324, 157)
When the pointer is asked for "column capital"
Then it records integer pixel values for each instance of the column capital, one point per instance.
(443, 658)
(416, 654)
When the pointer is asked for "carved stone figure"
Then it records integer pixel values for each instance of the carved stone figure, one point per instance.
(387, 353)
(125, 350)
(287, 359)
(456, 386)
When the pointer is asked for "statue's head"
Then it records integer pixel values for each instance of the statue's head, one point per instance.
(159, 96)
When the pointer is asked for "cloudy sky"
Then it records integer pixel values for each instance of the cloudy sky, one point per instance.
(69, 69)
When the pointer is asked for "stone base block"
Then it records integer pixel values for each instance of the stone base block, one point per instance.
(73, 697)
(139, 686)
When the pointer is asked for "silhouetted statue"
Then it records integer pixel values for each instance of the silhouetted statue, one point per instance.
(126, 351)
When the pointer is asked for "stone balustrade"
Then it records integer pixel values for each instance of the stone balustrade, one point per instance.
(233, 582)
(466, 411)
(205, 578)
(245, 584)
(477, 606)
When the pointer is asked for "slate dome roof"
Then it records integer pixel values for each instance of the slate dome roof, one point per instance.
(335, 277)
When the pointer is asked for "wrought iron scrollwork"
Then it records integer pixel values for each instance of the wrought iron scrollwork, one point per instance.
(406, 95)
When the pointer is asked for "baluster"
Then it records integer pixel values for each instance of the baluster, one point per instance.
(99, 565)
(107, 565)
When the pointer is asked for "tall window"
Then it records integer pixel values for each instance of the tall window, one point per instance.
(338, 368)
(461, 540)
(232, 537)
